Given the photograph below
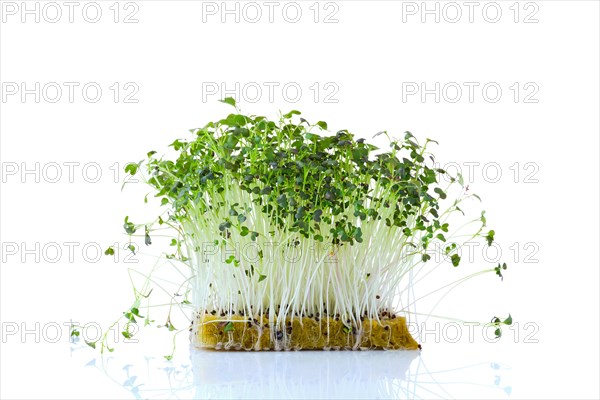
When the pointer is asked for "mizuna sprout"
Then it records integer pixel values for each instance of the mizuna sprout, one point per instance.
(295, 238)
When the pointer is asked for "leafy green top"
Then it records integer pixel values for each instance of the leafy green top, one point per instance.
(321, 187)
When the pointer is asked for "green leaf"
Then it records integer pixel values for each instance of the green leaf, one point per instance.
(262, 277)
(131, 168)
(289, 115)
(498, 270)
(490, 237)
(231, 141)
(130, 317)
(317, 215)
(322, 125)
(509, 320)
(109, 252)
(228, 100)
(135, 311)
(300, 212)
(282, 201)
(440, 192)
(147, 239)
(129, 227)
(228, 327)
(91, 344)
(455, 258)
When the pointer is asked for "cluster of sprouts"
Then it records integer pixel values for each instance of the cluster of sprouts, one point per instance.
(279, 219)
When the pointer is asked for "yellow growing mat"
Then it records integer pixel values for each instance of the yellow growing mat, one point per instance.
(240, 333)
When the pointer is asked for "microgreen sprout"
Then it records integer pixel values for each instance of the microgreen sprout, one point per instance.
(280, 221)
(497, 323)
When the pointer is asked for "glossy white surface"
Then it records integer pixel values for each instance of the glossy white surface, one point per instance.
(313, 374)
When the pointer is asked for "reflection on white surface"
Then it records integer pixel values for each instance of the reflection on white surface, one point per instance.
(308, 374)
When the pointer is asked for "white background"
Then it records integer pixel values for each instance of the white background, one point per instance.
(370, 56)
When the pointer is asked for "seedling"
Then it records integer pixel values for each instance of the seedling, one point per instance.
(298, 238)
